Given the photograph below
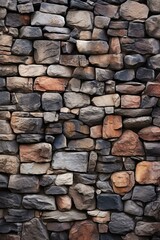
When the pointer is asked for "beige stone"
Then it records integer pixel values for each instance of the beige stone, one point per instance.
(9, 164)
(64, 179)
(92, 47)
(96, 131)
(107, 100)
(64, 203)
(59, 71)
(32, 70)
(19, 84)
(114, 46)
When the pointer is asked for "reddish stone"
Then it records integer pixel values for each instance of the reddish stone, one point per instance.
(151, 133)
(117, 32)
(96, 131)
(153, 89)
(112, 126)
(114, 46)
(128, 145)
(130, 101)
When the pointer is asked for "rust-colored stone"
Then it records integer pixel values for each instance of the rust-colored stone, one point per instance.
(151, 133)
(130, 101)
(153, 89)
(112, 126)
(114, 45)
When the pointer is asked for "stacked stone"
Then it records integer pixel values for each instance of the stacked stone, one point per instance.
(79, 120)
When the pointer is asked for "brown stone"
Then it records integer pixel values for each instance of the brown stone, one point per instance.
(74, 60)
(147, 228)
(117, 32)
(148, 172)
(114, 46)
(151, 133)
(128, 145)
(9, 237)
(122, 182)
(153, 89)
(5, 59)
(39, 152)
(50, 84)
(106, 10)
(9, 164)
(130, 101)
(85, 144)
(130, 88)
(96, 131)
(112, 126)
(64, 203)
(102, 228)
(84, 231)
(75, 129)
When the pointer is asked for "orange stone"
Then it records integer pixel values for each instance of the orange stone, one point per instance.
(122, 182)
(112, 126)
(153, 89)
(115, 46)
(151, 133)
(128, 145)
(130, 101)
(148, 172)
(64, 203)
(96, 131)
(50, 84)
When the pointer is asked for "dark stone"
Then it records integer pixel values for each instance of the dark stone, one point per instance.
(54, 128)
(104, 74)
(104, 186)
(10, 200)
(19, 215)
(2, 83)
(9, 227)
(30, 32)
(27, 101)
(88, 179)
(3, 181)
(145, 74)
(58, 227)
(103, 147)
(4, 98)
(108, 236)
(133, 27)
(81, 5)
(133, 112)
(16, 20)
(91, 115)
(134, 60)
(156, 121)
(8, 147)
(66, 116)
(29, 138)
(92, 87)
(152, 209)
(144, 193)
(109, 159)
(59, 236)
(152, 148)
(137, 123)
(46, 180)
(133, 208)
(156, 112)
(125, 75)
(121, 223)
(55, 190)
(39, 202)
(60, 142)
(148, 102)
(51, 101)
(22, 47)
(109, 167)
(109, 202)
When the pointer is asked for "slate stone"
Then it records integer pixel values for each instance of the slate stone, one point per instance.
(152, 148)
(29, 138)
(16, 20)
(132, 30)
(144, 193)
(39, 202)
(30, 32)
(46, 180)
(10, 200)
(19, 215)
(106, 10)
(51, 101)
(55, 190)
(148, 102)
(92, 87)
(121, 223)
(27, 101)
(4, 98)
(134, 60)
(59, 236)
(22, 47)
(91, 115)
(58, 227)
(109, 202)
(103, 147)
(145, 74)
(9, 227)
(133, 112)
(109, 167)
(104, 186)
(55, 128)
(2, 83)
(132, 208)
(88, 179)
(125, 75)
(8, 147)
(60, 142)
(3, 181)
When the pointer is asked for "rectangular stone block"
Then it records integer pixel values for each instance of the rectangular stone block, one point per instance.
(34, 168)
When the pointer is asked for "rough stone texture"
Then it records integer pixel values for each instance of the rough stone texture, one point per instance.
(147, 228)
(9, 164)
(152, 26)
(39, 202)
(112, 126)
(92, 47)
(75, 100)
(109, 202)
(50, 84)
(31, 70)
(144, 193)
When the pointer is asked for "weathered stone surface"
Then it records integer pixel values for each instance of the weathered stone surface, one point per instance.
(5, 59)
(125, 75)
(42, 19)
(153, 6)
(9, 164)
(58, 227)
(152, 148)
(34, 229)
(60, 142)
(147, 228)
(101, 21)
(133, 112)
(109, 202)
(74, 60)
(152, 209)
(59, 71)
(64, 203)
(152, 89)
(9, 227)
(70, 161)
(3, 181)
(8, 147)
(107, 100)
(132, 208)
(131, 10)
(121, 223)
(84, 230)
(103, 74)
(106, 10)
(5, 127)
(132, 30)
(19, 215)
(151, 25)
(74, 129)
(3, 13)
(34, 168)
(6, 40)
(128, 140)
(75, 100)
(144, 193)
(10, 70)
(53, 8)
(92, 47)
(134, 60)
(40, 202)
(130, 88)
(22, 47)
(91, 115)
(145, 74)
(96, 131)
(109, 167)
(10, 200)
(80, 19)
(17, 20)
(51, 101)
(30, 32)
(64, 179)
(32, 70)
(112, 126)
(16, 84)
(86, 73)
(25, 8)
(151, 133)
(5, 98)
(130, 101)
(27, 101)
(137, 123)
(83, 196)
(85, 144)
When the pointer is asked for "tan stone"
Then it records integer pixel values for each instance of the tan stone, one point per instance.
(107, 100)
(9, 164)
(64, 179)
(148, 172)
(151, 133)
(19, 84)
(108, 10)
(96, 131)
(64, 203)
(34, 168)
(32, 70)
(112, 126)
(6, 40)
(130, 101)
(74, 60)
(50, 84)
(85, 35)
(153, 89)
(99, 216)
(85, 144)
(128, 145)
(114, 46)
(15, 59)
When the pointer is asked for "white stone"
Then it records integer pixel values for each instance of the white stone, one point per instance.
(64, 179)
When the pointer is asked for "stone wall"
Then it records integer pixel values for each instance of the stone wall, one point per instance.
(79, 120)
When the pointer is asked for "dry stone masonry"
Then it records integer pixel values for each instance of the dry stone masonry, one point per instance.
(79, 119)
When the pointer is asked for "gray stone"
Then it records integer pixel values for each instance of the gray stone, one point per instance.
(92, 87)
(54, 128)
(106, 201)
(104, 186)
(27, 101)
(10, 200)
(9, 227)
(3, 12)
(132, 30)
(10, 70)
(46, 52)
(147, 228)
(2, 83)
(22, 47)
(17, 183)
(8, 147)
(51, 101)
(121, 223)
(34, 168)
(125, 75)
(88, 179)
(103, 147)
(104, 74)
(153, 6)
(152, 148)
(108, 10)
(42, 19)
(91, 115)
(134, 60)
(19, 215)
(129, 164)
(53, 8)
(145, 74)
(137, 123)
(152, 209)
(86, 73)
(76, 162)
(144, 193)
(153, 62)
(81, 5)
(75, 129)
(16, 20)
(46, 180)
(152, 26)
(30, 32)
(148, 102)
(34, 229)
(3, 181)
(109, 167)
(39, 202)
(5, 127)
(55, 190)
(76, 100)
(25, 8)
(101, 21)
(132, 208)
(60, 142)
(133, 112)
(59, 71)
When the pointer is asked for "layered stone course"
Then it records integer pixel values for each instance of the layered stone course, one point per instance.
(79, 120)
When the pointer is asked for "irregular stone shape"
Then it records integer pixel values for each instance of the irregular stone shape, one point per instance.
(134, 60)
(8, 147)
(30, 32)
(6, 40)
(137, 123)
(144, 193)
(51, 101)
(96, 131)
(72, 161)
(133, 112)
(55, 128)
(19, 215)
(125, 75)
(40, 202)
(108, 201)
(152, 148)
(148, 102)
(130, 88)
(107, 100)
(83, 196)
(101, 21)
(132, 208)
(121, 223)
(153, 6)
(17, 20)
(32, 70)
(74, 129)
(76, 100)
(10, 200)
(27, 101)
(25, 8)
(152, 209)
(91, 115)
(147, 228)
(145, 74)
(151, 133)
(10, 70)
(112, 126)
(68, 216)
(64, 179)
(3, 13)
(15, 84)
(9, 164)
(106, 10)
(5, 59)
(85, 144)
(152, 89)
(122, 182)
(59, 236)
(64, 203)
(22, 47)
(46, 52)
(104, 74)
(17, 183)
(151, 25)
(130, 142)
(50, 84)
(92, 47)
(5, 127)
(84, 230)
(148, 172)
(130, 101)
(74, 60)
(53, 8)
(131, 10)
(87, 179)
(59, 71)
(58, 227)
(56, 190)
(86, 73)
(3, 181)
(80, 19)
(9, 227)
(132, 30)
(34, 168)
(39, 152)
(34, 229)
(42, 19)
(60, 142)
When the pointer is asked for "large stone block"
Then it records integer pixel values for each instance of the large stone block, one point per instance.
(8, 70)
(22, 47)
(107, 100)
(91, 115)
(34, 168)
(51, 101)
(50, 84)
(30, 32)
(144, 193)
(74, 129)
(18, 215)
(39, 202)
(53, 8)
(109, 202)
(32, 70)
(19, 84)
(10, 200)
(152, 26)
(59, 71)
(27, 101)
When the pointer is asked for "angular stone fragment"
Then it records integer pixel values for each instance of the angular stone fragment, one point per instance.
(144, 193)
(9, 227)
(19, 215)
(75, 100)
(51, 101)
(148, 172)
(152, 209)
(30, 32)
(91, 115)
(5, 40)
(27, 101)
(131, 10)
(80, 19)
(106, 10)
(84, 230)
(92, 47)
(130, 142)
(121, 223)
(86, 73)
(53, 8)
(25, 8)
(137, 123)
(10, 200)
(112, 126)
(22, 47)
(109, 202)
(130, 101)
(132, 208)
(103, 74)
(83, 196)
(152, 26)
(16, 84)
(153, 6)
(34, 168)
(17, 20)
(152, 148)
(43, 19)
(134, 60)
(85, 144)
(107, 100)
(40, 202)
(5, 127)
(8, 70)
(74, 129)
(64, 203)
(59, 71)
(9, 164)
(147, 228)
